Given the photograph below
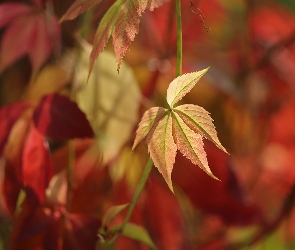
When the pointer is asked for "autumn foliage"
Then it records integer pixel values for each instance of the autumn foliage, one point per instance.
(104, 145)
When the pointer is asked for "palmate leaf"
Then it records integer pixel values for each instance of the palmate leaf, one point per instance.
(181, 128)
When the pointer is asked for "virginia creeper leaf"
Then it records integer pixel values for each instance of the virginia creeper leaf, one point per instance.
(37, 167)
(199, 120)
(181, 85)
(121, 22)
(162, 148)
(186, 125)
(31, 32)
(190, 144)
(60, 118)
(10, 11)
(8, 116)
(147, 121)
(109, 106)
(138, 233)
(77, 8)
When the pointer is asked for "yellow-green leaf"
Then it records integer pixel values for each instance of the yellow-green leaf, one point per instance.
(181, 85)
(190, 144)
(162, 148)
(138, 233)
(199, 120)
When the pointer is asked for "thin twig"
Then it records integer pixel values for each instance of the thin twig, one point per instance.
(199, 12)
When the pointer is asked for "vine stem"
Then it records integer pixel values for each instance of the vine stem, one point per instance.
(179, 39)
(137, 193)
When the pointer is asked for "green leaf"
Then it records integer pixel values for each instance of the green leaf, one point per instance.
(181, 85)
(162, 148)
(199, 120)
(112, 213)
(138, 233)
(147, 121)
(190, 144)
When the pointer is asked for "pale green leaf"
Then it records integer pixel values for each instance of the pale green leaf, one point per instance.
(147, 121)
(110, 101)
(138, 233)
(112, 212)
(199, 120)
(162, 148)
(190, 144)
(181, 85)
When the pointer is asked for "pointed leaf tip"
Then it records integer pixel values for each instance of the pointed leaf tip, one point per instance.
(181, 85)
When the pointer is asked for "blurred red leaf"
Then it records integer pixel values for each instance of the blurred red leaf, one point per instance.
(223, 198)
(10, 11)
(42, 227)
(8, 116)
(13, 162)
(81, 232)
(37, 168)
(31, 32)
(60, 118)
(162, 215)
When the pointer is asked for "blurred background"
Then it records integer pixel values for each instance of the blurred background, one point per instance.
(249, 91)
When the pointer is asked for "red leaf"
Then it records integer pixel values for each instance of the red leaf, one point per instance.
(37, 168)
(45, 37)
(10, 11)
(8, 116)
(77, 8)
(13, 160)
(30, 32)
(42, 228)
(16, 40)
(166, 225)
(60, 118)
(81, 232)
(214, 197)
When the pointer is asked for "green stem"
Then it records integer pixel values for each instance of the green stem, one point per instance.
(137, 193)
(179, 39)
